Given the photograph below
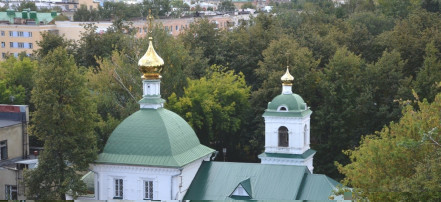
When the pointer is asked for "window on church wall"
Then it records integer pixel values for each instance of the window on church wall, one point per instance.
(148, 190)
(119, 189)
(283, 136)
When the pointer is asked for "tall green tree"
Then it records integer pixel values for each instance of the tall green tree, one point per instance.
(64, 120)
(427, 83)
(216, 107)
(402, 161)
(50, 41)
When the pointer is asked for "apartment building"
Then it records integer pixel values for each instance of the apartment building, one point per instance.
(19, 31)
(14, 151)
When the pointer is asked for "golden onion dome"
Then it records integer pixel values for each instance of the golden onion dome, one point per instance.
(151, 63)
(287, 78)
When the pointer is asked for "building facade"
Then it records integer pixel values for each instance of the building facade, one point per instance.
(14, 149)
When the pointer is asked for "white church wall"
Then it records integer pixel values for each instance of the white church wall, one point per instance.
(287, 161)
(133, 181)
(296, 134)
(182, 182)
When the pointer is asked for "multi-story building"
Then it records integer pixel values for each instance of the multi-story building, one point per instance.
(14, 150)
(19, 31)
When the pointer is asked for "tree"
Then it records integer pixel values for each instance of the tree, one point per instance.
(50, 41)
(16, 74)
(226, 6)
(216, 107)
(64, 119)
(27, 5)
(427, 83)
(82, 14)
(247, 5)
(203, 38)
(400, 162)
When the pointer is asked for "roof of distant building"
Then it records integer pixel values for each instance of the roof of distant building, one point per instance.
(218, 181)
(42, 17)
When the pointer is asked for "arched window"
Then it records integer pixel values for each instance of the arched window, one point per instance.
(282, 108)
(283, 136)
(305, 132)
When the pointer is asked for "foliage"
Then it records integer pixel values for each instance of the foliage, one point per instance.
(61, 18)
(247, 5)
(16, 76)
(376, 168)
(64, 119)
(50, 41)
(27, 5)
(11, 95)
(82, 14)
(226, 6)
(215, 106)
(93, 44)
(202, 38)
(427, 83)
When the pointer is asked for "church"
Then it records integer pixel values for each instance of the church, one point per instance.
(154, 154)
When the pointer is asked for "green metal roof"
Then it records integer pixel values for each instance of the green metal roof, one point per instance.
(217, 180)
(44, 17)
(305, 155)
(153, 137)
(295, 105)
(316, 187)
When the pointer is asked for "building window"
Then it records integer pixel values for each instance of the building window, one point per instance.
(148, 190)
(118, 189)
(20, 34)
(31, 46)
(3, 150)
(21, 45)
(283, 136)
(11, 192)
(3, 55)
(3, 44)
(30, 34)
(11, 44)
(3, 33)
(11, 33)
(177, 27)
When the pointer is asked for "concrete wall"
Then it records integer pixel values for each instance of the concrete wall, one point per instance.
(7, 177)
(182, 182)
(13, 134)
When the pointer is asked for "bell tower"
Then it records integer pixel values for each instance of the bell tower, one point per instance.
(287, 126)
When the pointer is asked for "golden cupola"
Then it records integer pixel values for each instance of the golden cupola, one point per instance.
(151, 63)
(287, 78)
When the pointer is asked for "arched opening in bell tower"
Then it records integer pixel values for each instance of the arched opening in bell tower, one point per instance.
(283, 136)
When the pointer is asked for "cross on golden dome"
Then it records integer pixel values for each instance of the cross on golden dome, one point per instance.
(151, 63)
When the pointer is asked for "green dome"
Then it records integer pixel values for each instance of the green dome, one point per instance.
(288, 105)
(153, 137)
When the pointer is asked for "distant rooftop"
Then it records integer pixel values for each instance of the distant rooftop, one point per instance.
(40, 17)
